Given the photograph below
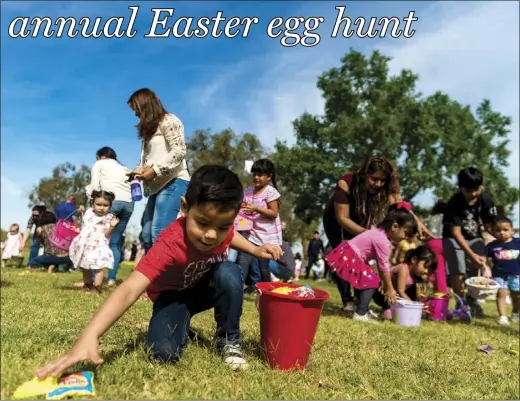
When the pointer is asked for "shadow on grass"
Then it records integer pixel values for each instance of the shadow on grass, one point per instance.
(4, 284)
(489, 326)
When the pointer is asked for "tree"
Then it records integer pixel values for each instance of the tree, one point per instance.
(224, 148)
(368, 111)
(232, 150)
(66, 179)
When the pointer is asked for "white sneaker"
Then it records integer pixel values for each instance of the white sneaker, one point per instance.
(508, 300)
(232, 355)
(366, 318)
(515, 317)
(350, 307)
(503, 321)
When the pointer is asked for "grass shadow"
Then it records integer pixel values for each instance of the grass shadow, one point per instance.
(494, 326)
(251, 347)
(4, 284)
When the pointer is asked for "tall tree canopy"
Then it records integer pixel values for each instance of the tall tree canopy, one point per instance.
(65, 179)
(369, 111)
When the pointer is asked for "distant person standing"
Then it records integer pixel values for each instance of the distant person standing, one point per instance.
(133, 252)
(67, 210)
(313, 251)
(33, 221)
(107, 174)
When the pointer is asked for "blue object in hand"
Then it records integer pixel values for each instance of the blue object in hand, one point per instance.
(136, 191)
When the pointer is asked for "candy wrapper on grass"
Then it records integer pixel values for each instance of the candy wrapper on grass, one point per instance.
(73, 385)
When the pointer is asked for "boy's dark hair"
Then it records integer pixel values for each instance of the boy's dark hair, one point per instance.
(107, 152)
(422, 253)
(470, 178)
(215, 184)
(39, 208)
(439, 207)
(265, 166)
(46, 217)
(502, 219)
(400, 216)
(317, 232)
(106, 195)
(298, 256)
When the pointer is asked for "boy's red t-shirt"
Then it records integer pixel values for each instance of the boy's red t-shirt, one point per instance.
(173, 263)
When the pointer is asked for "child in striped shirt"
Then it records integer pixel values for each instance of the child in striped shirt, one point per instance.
(261, 203)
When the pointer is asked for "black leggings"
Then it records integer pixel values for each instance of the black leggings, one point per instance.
(344, 287)
(365, 296)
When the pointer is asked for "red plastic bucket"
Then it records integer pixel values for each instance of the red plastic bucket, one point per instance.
(439, 307)
(63, 234)
(288, 325)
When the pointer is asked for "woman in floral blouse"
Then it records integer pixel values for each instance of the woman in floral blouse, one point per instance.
(163, 168)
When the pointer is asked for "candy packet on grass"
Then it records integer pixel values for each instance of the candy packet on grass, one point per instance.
(73, 385)
(69, 385)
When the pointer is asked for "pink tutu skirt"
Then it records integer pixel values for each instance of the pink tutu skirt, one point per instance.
(345, 262)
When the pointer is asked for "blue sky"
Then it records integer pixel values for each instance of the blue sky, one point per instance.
(62, 99)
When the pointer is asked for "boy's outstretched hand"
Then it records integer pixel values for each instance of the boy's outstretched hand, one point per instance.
(85, 349)
(268, 252)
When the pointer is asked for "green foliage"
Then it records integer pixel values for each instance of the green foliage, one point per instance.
(66, 179)
(3, 235)
(223, 148)
(368, 111)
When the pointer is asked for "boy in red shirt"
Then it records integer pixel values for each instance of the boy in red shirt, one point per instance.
(185, 272)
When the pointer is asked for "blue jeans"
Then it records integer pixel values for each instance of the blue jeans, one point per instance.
(34, 250)
(47, 260)
(254, 272)
(162, 209)
(279, 271)
(220, 288)
(244, 260)
(123, 211)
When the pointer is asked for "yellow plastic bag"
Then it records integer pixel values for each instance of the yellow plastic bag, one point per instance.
(36, 387)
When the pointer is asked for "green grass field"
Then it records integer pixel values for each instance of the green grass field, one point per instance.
(42, 314)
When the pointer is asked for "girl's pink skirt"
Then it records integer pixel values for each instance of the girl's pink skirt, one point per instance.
(345, 262)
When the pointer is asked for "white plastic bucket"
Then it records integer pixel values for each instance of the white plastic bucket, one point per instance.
(407, 313)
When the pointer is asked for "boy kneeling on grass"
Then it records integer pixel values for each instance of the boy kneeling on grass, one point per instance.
(186, 272)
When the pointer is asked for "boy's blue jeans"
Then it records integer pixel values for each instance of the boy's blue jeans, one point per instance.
(161, 209)
(123, 211)
(220, 288)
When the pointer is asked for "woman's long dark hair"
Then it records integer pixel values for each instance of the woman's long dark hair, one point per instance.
(150, 110)
(369, 207)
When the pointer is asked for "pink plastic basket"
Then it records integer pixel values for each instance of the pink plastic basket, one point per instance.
(63, 234)
(243, 222)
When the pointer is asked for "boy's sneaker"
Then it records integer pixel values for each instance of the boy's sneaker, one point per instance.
(366, 318)
(503, 321)
(232, 355)
(350, 307)
(515, 317)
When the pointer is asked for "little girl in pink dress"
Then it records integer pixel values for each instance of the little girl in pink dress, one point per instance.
(90, 250)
